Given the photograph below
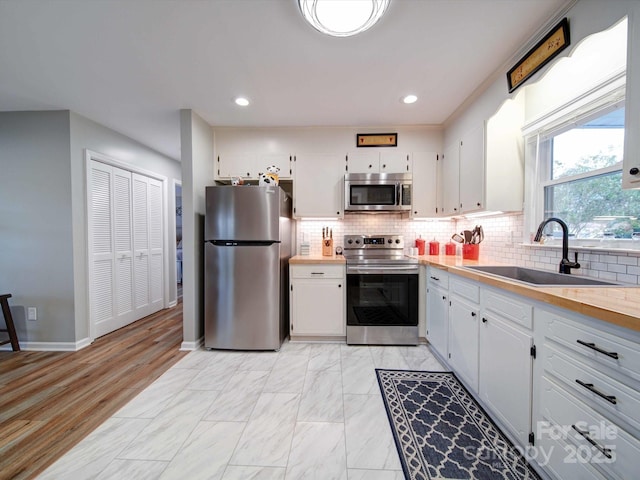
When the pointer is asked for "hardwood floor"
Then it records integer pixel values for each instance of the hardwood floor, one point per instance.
(49, 401)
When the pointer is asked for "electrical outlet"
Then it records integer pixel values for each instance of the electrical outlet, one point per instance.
(32, 313)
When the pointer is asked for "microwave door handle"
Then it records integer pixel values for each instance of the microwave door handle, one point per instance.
(398, 194)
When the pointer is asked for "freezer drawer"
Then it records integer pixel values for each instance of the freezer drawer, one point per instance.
(242, 297)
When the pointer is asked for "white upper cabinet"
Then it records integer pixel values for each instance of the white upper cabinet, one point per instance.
(484, 171)
(318, 185)
(450, 181)
(425, 168)
(249, 166)
(378, 162)
(631, 162)
(472, 171)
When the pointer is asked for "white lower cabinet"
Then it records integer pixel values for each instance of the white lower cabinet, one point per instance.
(506, 373)
(587, 395)
(317, 301)
(438, 310)
(463, 330)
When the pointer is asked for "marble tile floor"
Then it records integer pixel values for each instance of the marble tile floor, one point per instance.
(309, 411)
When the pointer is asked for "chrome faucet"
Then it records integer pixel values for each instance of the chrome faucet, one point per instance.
(565, 264)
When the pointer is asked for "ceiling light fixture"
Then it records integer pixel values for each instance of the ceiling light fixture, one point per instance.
(410, 99)
(243, 102)
(342, 18)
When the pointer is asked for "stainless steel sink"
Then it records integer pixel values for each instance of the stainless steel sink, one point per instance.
(542, 278)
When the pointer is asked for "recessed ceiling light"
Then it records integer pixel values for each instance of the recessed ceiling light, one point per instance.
(342, 18)
(243, 102)
(410, 99)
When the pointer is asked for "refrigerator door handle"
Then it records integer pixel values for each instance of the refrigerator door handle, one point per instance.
(240, 243)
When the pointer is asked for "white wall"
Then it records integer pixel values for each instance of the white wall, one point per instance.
(292, 141)
(87, 134)
(36, 248)
(585, 18)
(197, 139)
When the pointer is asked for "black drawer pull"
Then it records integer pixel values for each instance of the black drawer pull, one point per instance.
(484, 320)
(585, 434)
(434, 278)
(591, 388)
(473, 314)
(593, 346)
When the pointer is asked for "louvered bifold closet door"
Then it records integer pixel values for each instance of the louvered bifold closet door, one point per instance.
(101, 262)
(156, 250)
(142, 291)
(126, 246)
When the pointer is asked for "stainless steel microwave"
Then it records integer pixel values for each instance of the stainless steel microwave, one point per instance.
(377, 192)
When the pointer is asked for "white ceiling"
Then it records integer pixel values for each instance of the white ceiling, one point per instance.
(132, 65)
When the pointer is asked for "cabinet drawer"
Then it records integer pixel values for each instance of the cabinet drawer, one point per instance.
(603, 348)
(508, 307)
(438, 277)
(568, 369)
(317, 271)
(465, 289)
(568, 413)
(561, 461)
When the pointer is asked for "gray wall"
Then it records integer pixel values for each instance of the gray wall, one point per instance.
(87, 134)
(36, 247)
(197, 141)
(43, 251)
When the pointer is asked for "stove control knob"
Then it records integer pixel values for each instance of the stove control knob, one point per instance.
(389, 241)
(357, 242)
(349, 241)
(397, 240)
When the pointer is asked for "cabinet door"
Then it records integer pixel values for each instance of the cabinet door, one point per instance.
(424, 185)
(318, 186)
(472, 171)
(438, 319)
(450, 180)
(506, 372)
(245, 166)
(395, 162)
(317, 307)
(363, 162)
(463, 341)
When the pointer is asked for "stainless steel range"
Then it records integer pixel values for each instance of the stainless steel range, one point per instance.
(382, 291)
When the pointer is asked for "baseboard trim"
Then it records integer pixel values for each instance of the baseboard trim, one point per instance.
(51, 346)
(190, 346)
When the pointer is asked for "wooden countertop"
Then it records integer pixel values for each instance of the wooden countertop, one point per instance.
(617, 305)
(305, 259)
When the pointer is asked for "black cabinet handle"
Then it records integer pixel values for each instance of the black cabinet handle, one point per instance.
(434, 278)
(593, 346)
(585, 434)
(473, 314)
(484, 320)
(634, 171)
(340, 285)
(591, 388)
(444, 297)
(384, 166)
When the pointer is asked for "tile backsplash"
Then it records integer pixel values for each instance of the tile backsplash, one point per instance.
(503, 242)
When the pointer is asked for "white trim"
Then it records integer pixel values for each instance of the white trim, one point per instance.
(190, 346)
(174, 287)
(51, 346)
(612, 90)
(581, 176)
(173, 303)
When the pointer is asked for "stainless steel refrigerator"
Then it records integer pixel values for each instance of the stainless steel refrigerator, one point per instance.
(248, 236)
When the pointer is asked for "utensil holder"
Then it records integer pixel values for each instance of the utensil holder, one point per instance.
(470, 251)
(327, 247)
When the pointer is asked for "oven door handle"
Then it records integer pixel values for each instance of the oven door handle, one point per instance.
(393, 270)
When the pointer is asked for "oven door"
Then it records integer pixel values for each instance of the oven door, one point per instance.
(382, 305)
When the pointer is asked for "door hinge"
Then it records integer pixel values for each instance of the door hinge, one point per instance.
(449, 302)
(292, 288)
(294, 209)
(533, 351)
(292, 327)
(532, 438)
(449, 355)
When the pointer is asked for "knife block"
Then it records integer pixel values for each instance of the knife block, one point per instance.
(327, 247)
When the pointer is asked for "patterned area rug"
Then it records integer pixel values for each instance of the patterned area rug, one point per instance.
(442, 433)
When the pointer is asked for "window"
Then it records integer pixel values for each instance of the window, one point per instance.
(580, 167)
